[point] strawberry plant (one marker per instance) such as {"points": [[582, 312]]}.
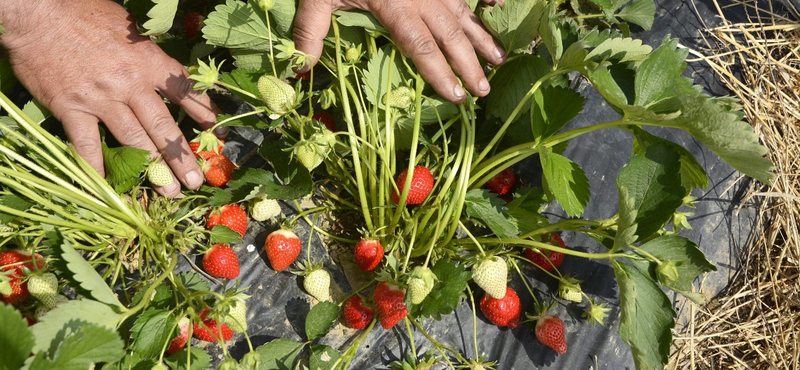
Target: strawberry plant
{"points": [[421, 177]]}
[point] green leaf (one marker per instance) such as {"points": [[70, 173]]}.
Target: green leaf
{"points": [[653, 182], [73, 313], [151, 330], [360, 19], [609, 85], [639, 12], [238, 25], [322, 357], [7, 77], [124, 166], [245, 79], [646, 317], [82, 347], [160, 17], [15, 202], [16, 341], [259, 60], [380, 68], [225, 235], [693, 175], [193, 282], [447, 292], [36, 111], [554, 107], [161, 297], [199, 359], [249, 183], [282, 15], [79, 273], [515, 23], [279, 354], [689, 261], [659, 74], [321, 319], [489, 209], [510, 84], [620, 50], [434, 109], [525, 210], [626, 225], [173, 46], [566, 181]]}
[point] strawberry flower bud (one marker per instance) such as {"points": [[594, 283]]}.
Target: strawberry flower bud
{"points": [[326, 98], [597, 313]]}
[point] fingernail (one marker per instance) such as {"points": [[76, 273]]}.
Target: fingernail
{"points": [[483, 86], [458, 91], [500, 54], [222, 131], [194, 179]]}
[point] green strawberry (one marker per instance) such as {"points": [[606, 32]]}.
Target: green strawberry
{"points": [[5, 285], [317, 281], [401, 97], [491, 274], [44, 287], [42, 310], [266, 5], [278, 95], [159, 174], [569, 288], [159, 366], [250, 361], [237, 316], [309, 154], [264, 209], [420, 284], [352, 54]]}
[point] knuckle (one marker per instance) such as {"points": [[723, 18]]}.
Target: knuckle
{"points": [[453, 33], [421, 44]]}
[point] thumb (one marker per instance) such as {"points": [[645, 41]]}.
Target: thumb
{"points": [[312, 23]]}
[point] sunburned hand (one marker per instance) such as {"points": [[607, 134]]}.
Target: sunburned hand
{"points": [[431, 32], [86, 62]]}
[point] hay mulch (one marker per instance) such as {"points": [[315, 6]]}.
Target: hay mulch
{"points": [[755, 322]]}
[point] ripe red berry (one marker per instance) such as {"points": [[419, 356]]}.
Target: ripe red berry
{"points": [[545, 259], [357, 315], [282, 247], [390, 301], [502, 312], [231, 215], [218, 170], [181, 339], [421, 185], [192, 24], [550, 331], [324, 118], [503, 182], [13, 264], [221, 261], [368, 253], [205, 154], [209, 330], [305, 76]]}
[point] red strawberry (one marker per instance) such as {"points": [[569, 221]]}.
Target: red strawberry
{"points": [[210, 331], [282, 247], [12, 259], [390, 301], [357, 315], [547, 260], [180, 341], [14, 263], [324, 118], [218, 170], [205, 154], [192, 24], [14, 290], [502, 312], [221, 261], [502, 183], [421, 185], [550, 331], [368, 253], [231, 216], [305, 76]]}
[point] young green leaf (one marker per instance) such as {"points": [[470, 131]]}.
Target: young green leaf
{"points": [[323, 357], [688, 261], [515, 23], [16, 341], [79, 273], [124, 166], [646, 317], [151, 330], [554, 107], [452, 279], [566, 181], [279, 354], [74, 314], [15, 202], [81, 347], [238, 25], [510, 84], [321, 319], [653, 182], [488, 208], [639, 12], [199, 359], [160, 17]]}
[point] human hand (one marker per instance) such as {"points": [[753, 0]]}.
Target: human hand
{"points": [[87, 63], [430, 32]]}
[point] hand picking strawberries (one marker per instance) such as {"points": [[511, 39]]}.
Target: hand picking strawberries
{"points": [[374, 188]]}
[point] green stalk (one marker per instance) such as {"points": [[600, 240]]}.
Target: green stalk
{"points": [[540, 245]]}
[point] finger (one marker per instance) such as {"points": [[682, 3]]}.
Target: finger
{"points": [[311, 26], [415, 40], [125, 127], [167, 137], [455, 45], [173, 82], [494, 2], [83, 133], [483, 42]]}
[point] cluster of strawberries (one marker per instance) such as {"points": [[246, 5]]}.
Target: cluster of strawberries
{"points": [[24, 275]]}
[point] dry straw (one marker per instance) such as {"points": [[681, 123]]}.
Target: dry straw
{"points": [[755, 323]]}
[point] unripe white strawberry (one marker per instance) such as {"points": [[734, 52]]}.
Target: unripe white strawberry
{"points": [[264, 209], [44, 287], [278, 95], [400, 98], [569, 288], [237, 317], [318, 284], [308, 153], [159, 174], [491, 274], [42, 310], [420, 284]]}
